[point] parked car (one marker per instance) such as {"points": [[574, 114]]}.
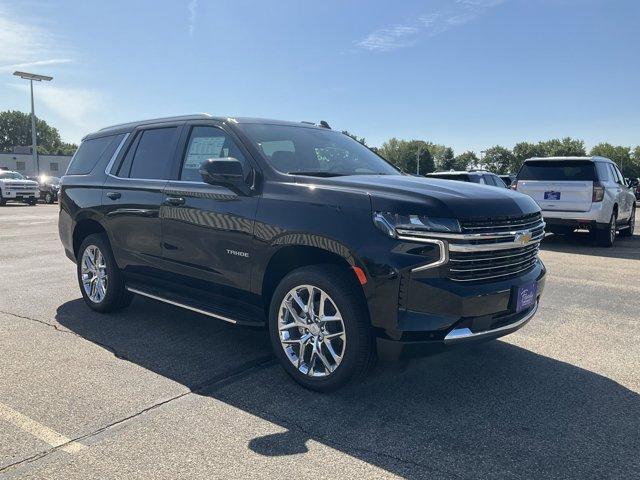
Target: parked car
{"points": [[508, 179], [49, 187], [580, 193], [474, 176], [634, 184], [301, 229], [14, 187]]}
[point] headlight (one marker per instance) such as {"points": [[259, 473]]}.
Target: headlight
{"points": [[389, 222]]}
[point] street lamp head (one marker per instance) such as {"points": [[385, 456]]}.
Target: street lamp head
{"points": [[33, 76]]}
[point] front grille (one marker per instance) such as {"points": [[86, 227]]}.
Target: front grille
{"points": [[500, 224], [492, 264]]}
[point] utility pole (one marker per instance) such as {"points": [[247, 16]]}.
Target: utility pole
{"points": [[34, 143], [419, 155]]}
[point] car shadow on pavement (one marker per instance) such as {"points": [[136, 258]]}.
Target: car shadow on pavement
{"points": [[491, 410], [581, 243]]}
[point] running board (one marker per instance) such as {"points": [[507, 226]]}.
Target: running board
{"points": [[202, 309]]}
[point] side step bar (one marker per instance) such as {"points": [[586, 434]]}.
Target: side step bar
{"points": [[182, 305]]}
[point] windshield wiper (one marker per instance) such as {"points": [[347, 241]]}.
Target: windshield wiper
{"points": [[318, 173]]}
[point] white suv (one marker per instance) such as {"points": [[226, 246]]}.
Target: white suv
{"points": [[580, 192], [13, 186]]}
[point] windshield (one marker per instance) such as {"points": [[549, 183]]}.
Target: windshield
{"points": [[11, 176], [571, 170], [315, 152]]}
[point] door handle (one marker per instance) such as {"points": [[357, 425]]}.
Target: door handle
{"points": [[114, 195], [174, 201]]}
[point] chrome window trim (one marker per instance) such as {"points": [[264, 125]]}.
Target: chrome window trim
{"points": [[109, 166]]}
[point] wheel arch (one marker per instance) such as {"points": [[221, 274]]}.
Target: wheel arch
{"points": [[288, 257], [85, 227]]}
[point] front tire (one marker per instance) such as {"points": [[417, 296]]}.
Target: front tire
{"points": [[101, 281], [319, 328], [48, 198]]}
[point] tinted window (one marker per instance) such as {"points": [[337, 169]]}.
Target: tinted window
{"points": [[571, 170], [619, 177], [604, 172], [153, 154], [460, 177], [91, 152], [205, 143], [315, 151]]}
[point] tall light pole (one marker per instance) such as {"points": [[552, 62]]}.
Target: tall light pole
{"points": [[34, 144]]}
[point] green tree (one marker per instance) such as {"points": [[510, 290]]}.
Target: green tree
{"points": [[404, 155], [448, 161], [15, 129], [498, 160], [620, 155], [362, 140], [465, 161], [567, 147], [525, 150], [634, 166]]}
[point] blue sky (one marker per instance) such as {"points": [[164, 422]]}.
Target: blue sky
{"points": [[466, 73]]}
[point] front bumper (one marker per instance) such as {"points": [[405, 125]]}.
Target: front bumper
{"points": [[443, 313], [20, 194]]}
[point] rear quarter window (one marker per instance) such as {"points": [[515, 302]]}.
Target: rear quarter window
{"points": [[565, 170], [93, 151]]}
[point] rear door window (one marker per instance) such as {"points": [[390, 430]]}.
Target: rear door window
{"points": [[93, 151], [562, 170], [151, 154]]}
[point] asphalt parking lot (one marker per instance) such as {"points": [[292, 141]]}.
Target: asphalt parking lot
{"points": [[158, 392]]}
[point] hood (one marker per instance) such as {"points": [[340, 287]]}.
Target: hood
{"points": [[18, 181], [405, 194]]}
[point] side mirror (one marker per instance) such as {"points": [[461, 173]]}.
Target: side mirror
{"points": [[228, 172]]}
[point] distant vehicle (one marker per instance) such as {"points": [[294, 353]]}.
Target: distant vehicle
{"points": [[634, 183], [14, 187], [49, 187], [473, 176], [580, 192], [508, 179]]}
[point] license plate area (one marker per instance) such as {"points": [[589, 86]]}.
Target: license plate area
{"points": [[551, 195], [526, 296]]}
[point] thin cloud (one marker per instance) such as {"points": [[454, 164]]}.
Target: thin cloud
{"points": [[76, 106], [430, 24], [25, 44], [192, 7], [38, 63]]}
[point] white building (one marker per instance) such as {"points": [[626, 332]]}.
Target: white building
{"points": [[51, 165]]}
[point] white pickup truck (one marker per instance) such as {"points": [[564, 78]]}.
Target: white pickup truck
{"points": [[14, 187], [580, 193]]}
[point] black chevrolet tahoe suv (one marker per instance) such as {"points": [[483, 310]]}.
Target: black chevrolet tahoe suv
{"points": [[301, 229]]}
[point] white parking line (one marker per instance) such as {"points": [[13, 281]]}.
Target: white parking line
{"points": [[38, 430]]}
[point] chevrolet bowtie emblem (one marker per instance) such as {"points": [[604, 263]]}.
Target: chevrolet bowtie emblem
{"points": [[522, 238]]}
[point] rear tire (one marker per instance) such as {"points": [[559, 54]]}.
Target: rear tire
{"points": [[631, 226], [606, 237], [48, 198], [344, 310], [101, 281], [32, 202]]}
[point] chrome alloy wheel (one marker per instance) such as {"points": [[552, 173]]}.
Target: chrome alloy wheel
{"points": [[93, 269], [311, 331]]}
